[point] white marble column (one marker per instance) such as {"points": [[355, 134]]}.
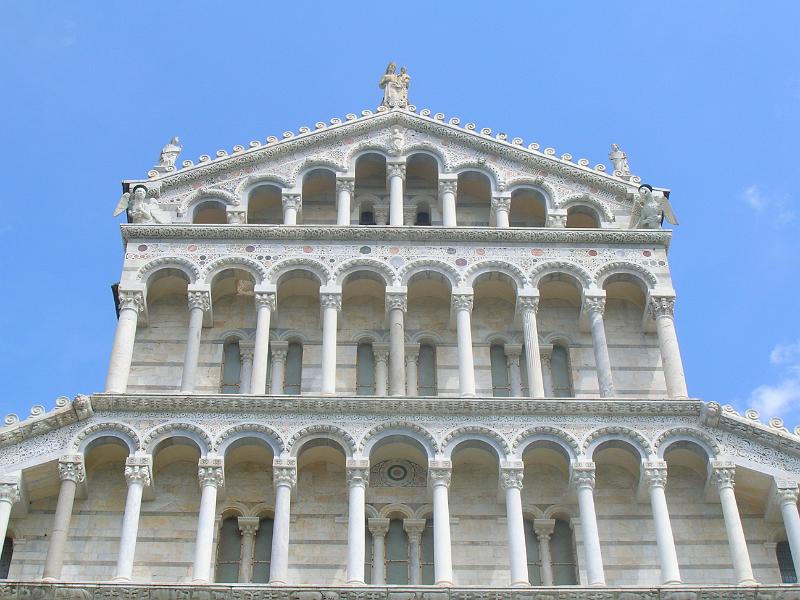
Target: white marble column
{"points": [[381, 352], [265, 305], [439, 472], [786, 493], [414, 529], [9, 495], [345, 186], [654, 475], [248, 526], [397, 174], [395, 309], [357, 482], [211, 476], [138, 474], [412, 369], [279, 351], [527, 306], [594, 306], [723, 473], [291, 206], [447, 189], [378, 528], [662, 308], [331, 303], [546, 356], [131, 303], [71, 472], [513, 353], [462, 306], [543, 528], [511, 481], [284, 478], [381, 213], [582, 477], [199, 303], [501, 205], [246, 351]]}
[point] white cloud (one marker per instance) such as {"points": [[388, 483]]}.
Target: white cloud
{"points": [[785, 353], [783, 397], [754, 198], [778, 205]]}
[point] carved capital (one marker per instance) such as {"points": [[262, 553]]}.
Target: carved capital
{"points": [[501, 203], [527, 304], [558, 221], [462, 302], [345, 185], [330, 300], [71, 467], [395, 170], [278, 350], [786, 491], [594, 304], [9, 492], [414, 529], [284, 472], [292, 201], [139, 469], [723, 473], [210, 471], [246, 350], [582, 474], [357, 472], [200, 299], [543, 528], [378, 527], [448, 187], [440, 472], [381, 351], [511, 477], [412, 353], [236, 217], [654, 473], [131, 300], [266, 300], [396, 300], [662, 306], [248, 525]]}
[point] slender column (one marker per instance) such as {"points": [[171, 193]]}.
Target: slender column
{"points": [[662, 308], [199, 303], [513, 353], [265, 304], [247, 527], [722, 473], [397, 174], [279, 351], [131, 303], [9, 494], [284, 478], [787, 493], [331, 303], [511, 481], [291, 206], [439, 472], [528, 305], [654, 474], [138, 474], [462, 305], [211, 477], [501, 206], [396, 308], [543, 528], [378, 528], [409, 215], [412, 364], [246, 351], [381, 214], [357, 482], [582, 477], [594, 307], [381, 352], [447, 188], [71, 472], [546, 355], [414, 529], [345, 186]]}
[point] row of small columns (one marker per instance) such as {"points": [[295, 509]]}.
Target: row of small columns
{"points": [[292, 203], [138, 473], [131, 303]]}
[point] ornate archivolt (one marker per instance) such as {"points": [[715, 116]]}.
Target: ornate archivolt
{"points": [[245, 263]]}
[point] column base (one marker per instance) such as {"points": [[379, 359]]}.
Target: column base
{"points": [[278, 582], [747, 582], [444, 584], [520, 584], [356, 583], [50, 579], [672, 582], [200, 582], [121, 580], [598, 584]]}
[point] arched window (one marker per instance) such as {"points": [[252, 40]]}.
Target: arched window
{"points": [[8, 551], [211, 212], [582, 217], [262, 551], [423, 214], [365, 370], [231, 367], [562, 553], [265, 206], [426, 376], [561, 372], [501, 387], [319, 197], [229, 551], [396, 554], [532, 549], [294, 369], [366, 215], [426, 554], [782, 551]]}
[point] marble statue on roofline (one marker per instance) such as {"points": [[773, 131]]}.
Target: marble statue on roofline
{"points": [[169, 154], [650, 209], [395, 87], [142, 210], [619, 160]]}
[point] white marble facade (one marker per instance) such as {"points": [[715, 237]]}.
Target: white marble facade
{"points": [[394, 350]]}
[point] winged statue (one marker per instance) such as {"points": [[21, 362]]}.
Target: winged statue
{"points": [[650, 209], [141, 209]]}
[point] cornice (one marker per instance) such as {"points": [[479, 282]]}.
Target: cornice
{"points": [[436, 235], [65, 413]]}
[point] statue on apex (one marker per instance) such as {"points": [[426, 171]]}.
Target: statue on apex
{"points": [[169, 153], [395, 87], [650, 209], [619, 160]]}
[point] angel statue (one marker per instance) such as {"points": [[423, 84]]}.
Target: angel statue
{"points": [[650, 209], [169, 154], [619, 159], [141, 209], [395, 87]]}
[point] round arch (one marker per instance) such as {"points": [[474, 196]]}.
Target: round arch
{"points": [[354, 265], [244, 263], [483, 169], [475, 433], [511, 270], [127, 435], [177, 429], [394, 508], [582, 277], [598, 206], [330, 432], [203, 194], [419, 266], [405, 429], [545, 433], [298, 264], [676, 435], [537, 185], [645, 276], [618, 434], [254, 431], [428, 150], [187, 267]]}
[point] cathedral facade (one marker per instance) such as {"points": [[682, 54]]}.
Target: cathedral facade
{"points": [[396, 357]]}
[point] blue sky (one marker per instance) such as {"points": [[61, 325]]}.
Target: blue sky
{"points": [[704, 98]]}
